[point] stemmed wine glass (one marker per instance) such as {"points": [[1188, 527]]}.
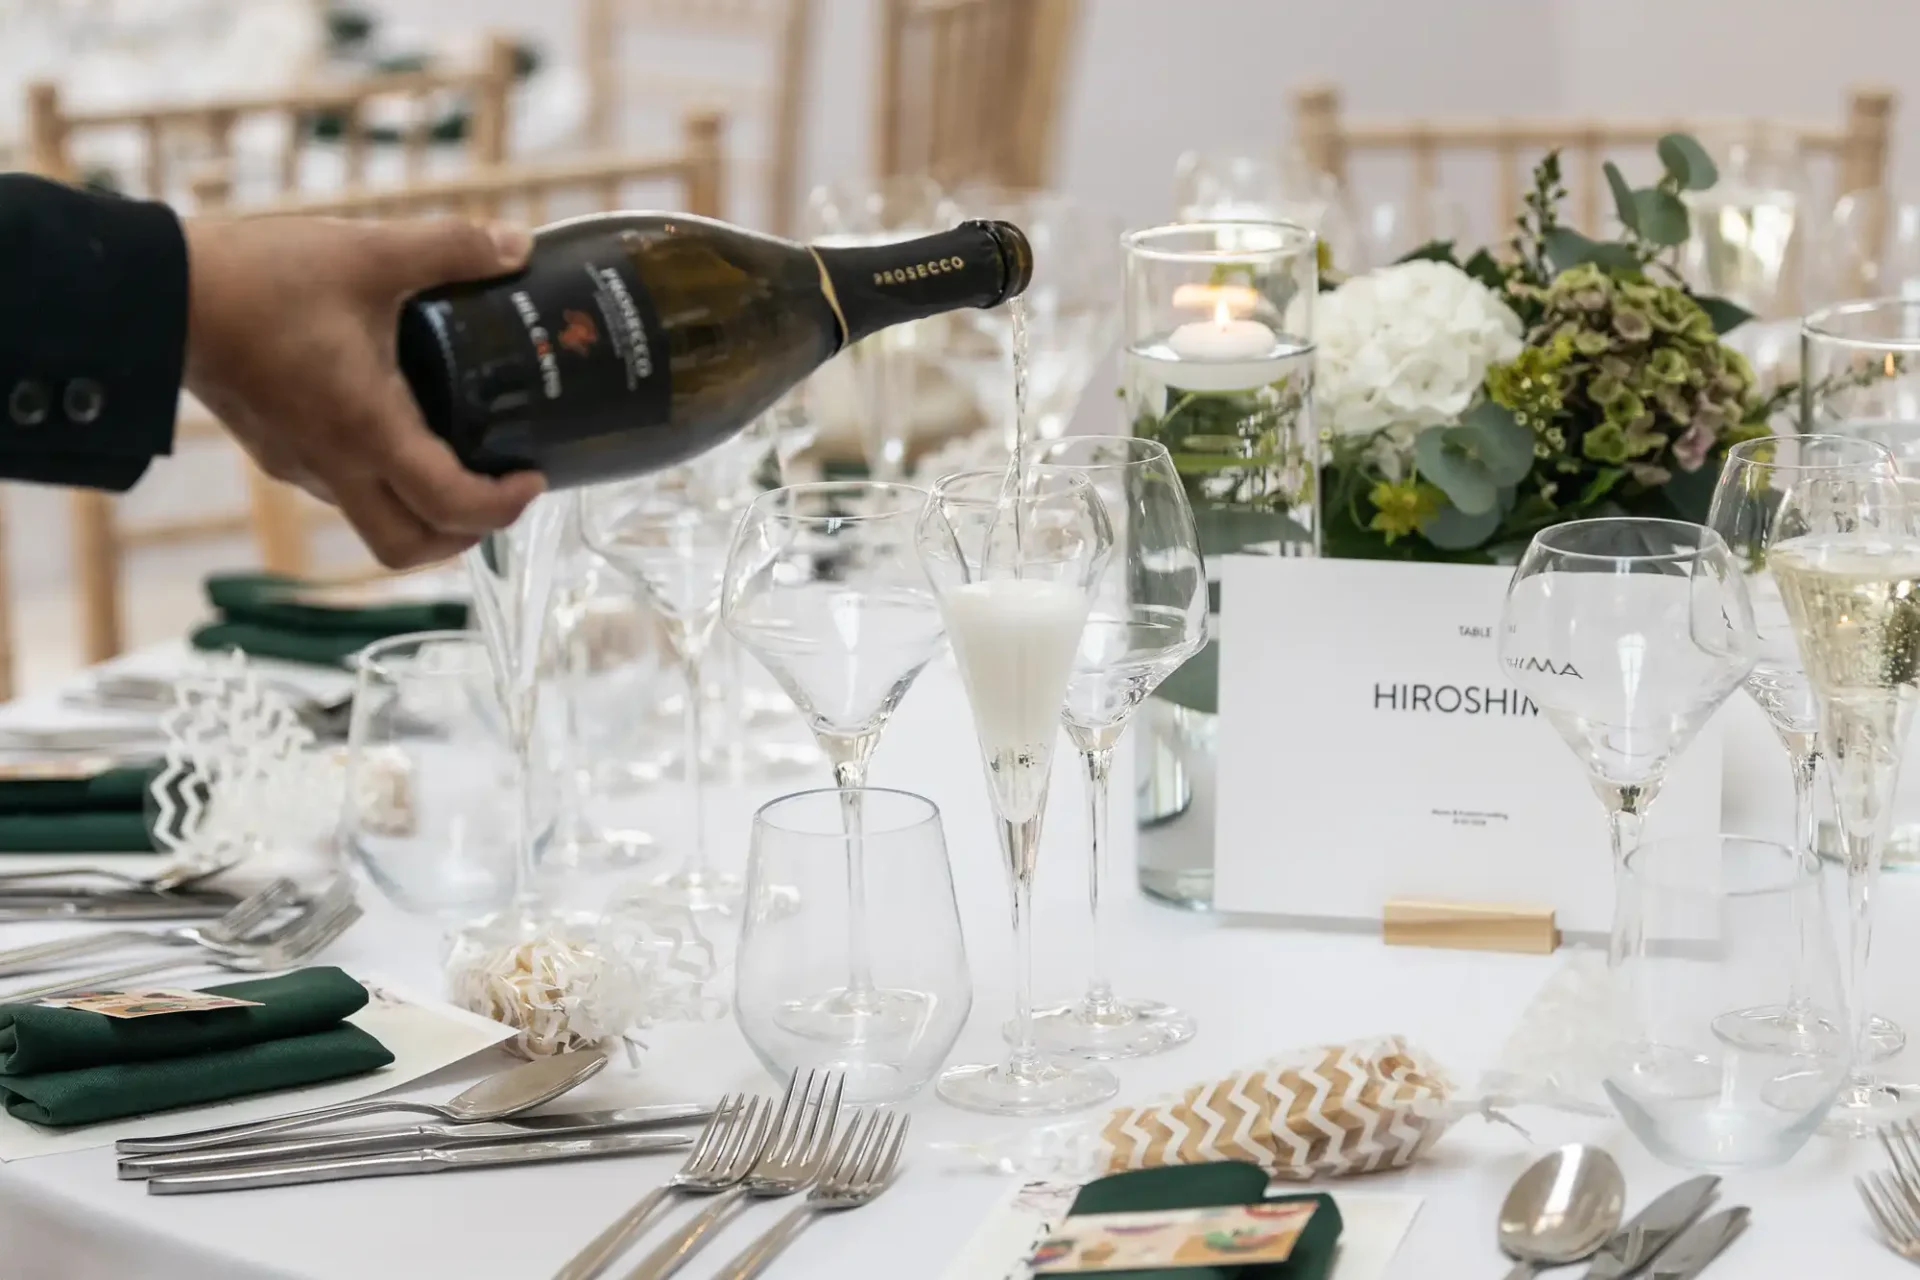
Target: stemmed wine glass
{"points": [[1149, 616], [1015, 619], [670, 533], [1628, 633], [1850, 582], [825, 588]]}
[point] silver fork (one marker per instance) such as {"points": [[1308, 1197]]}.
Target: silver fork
{"points": [[863, 1166], [224, 935], [1893, 1199], [794, 1157], [723, 1154], [167, 879], [317, 929]]}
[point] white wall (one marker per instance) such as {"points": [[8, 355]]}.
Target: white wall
{"points": [[1157, 76]]}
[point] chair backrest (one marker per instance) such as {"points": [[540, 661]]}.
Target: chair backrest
{"points": [[668, 55], [195, 155], [969, 90], [1857, 147], [282, 516]]}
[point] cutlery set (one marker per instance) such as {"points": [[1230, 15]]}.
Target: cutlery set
{"points": [[1567, 1207], [746, 1149], [1893, 1198]]}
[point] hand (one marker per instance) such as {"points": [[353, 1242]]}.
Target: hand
{"points": [[290, 342]]}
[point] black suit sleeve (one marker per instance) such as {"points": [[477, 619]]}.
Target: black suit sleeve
{"points": [[93, 329]]}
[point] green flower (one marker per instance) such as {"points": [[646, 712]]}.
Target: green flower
{"points": [[1667, 365], [1606, 443], [1632, 325], [1530, 387], [1606, 389], [1591, 342], [1626, 407], [1400, 507]]}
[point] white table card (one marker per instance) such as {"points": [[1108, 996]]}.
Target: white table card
{"points": [[1370, 749]]}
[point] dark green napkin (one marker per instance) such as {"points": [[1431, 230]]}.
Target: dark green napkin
{"points": [[106, 813], [92, 1094], [34, 1038], [71, 1066], [1195, 1186], [259, 617]]}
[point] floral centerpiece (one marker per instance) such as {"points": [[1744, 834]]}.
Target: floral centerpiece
{"points": [[1465, 405]]}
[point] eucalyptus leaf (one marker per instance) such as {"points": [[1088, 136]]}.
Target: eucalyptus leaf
{"points": [[1663, 218], [1568, 248], [1502, 444], [1726, 316], [1623, 203], [1682, 156], [1431, 251], [1452, 529], [1448, 459], [1485, 268]]}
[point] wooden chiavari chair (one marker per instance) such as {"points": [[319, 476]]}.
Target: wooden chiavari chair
{"points": [[283, 517], [1857, 147], [188, 154], [776, 34], [969, 90]]}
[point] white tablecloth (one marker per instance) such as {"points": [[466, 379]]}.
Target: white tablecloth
{"points": [[1255, 990]]}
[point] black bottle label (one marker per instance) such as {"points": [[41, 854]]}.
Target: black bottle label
{"points": [[567, 350], [874, 286]]}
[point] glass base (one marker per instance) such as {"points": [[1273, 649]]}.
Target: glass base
{"points": [[716, 891], [1192, 890], [1120, 1029], [1866, 1104], [1043, 1087], [601, 851], [1902, 852], [854, 1017], [1775, 1028]]}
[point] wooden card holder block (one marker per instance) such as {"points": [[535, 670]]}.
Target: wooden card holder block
{"points": [[1469, 926]]}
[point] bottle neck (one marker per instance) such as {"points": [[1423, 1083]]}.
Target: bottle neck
{"points": [[873, 287]]}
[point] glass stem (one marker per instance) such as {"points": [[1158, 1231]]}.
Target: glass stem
{"points": [[849, 756], [695, 769], [1624, 824], [736, 704], [1100, 1005], [1804, 756], [1863, 876], [1022, 840]]}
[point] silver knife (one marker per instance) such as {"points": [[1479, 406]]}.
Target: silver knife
{"points": [[1700, 1245], [428, 1160], [408, 1137], [1653, 1228], [15, 910]]}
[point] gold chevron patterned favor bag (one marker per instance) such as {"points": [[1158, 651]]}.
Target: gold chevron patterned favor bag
{"points": [[1321, 1112]]}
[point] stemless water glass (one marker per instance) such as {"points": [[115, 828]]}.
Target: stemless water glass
{"points": [[824, 587], [433, 787], [1149, 616], [1014, 568], [1628, 633], [1707, 916], [670, 532], [797, 956]]}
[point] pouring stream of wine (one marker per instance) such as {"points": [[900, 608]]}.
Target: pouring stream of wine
{"points": [[1008, 512]]}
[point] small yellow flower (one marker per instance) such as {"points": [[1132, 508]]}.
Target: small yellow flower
{"points": [[1400, 507]]}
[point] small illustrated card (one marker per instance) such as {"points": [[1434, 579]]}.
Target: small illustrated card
{"points": [[1225, 1235], [146, 1004]]}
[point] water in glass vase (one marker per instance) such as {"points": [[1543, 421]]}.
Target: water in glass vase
{"points": [[1239, 423]]}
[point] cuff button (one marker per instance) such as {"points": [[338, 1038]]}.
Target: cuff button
{"points": [[83, 401], [27, 403]]}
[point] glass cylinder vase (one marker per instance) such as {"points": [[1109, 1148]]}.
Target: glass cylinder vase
{"points": [[1219, 368]]}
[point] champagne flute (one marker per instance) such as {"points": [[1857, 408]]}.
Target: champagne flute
{"points": [[1851, 586], [1149, 616], [670, 533], [1015, 622], [824, 587], [1628, 633]]}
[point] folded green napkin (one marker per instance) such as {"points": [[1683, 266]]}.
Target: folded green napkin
{"points": [[260, 616], [106, 813], [72, 1066], [34, 1038], [1195, 1186]]}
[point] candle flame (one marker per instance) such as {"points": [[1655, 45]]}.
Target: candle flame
{"points": [[1222, 316], [1226, 301], [1892, 366]]}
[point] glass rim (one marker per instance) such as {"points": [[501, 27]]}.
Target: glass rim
{"points": [[1543, 539], [1880, 450], [1296, 239], [1154, 452], [374, 658], [939, 496], [1818, 324], [763, 816], [914, 499], [1802, 867]]}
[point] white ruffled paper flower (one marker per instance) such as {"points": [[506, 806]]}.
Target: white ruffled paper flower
{"points": [[1406, 347]]}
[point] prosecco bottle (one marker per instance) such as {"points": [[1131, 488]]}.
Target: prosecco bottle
{"points": [[634, 341]]}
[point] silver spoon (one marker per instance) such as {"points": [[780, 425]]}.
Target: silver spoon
{"points": [[500, 1095], [1561, 1209]]}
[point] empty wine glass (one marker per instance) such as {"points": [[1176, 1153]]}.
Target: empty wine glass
{"points": [[1276, 187], [670, 532], [1851, 587], [1072, 308], [1748, 237], [1873, 247], [1628, 633], [1149, 616], [884, 368], [1707, 915], [433, 784], [1015, 619], [825, 588], [798, 956]]}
